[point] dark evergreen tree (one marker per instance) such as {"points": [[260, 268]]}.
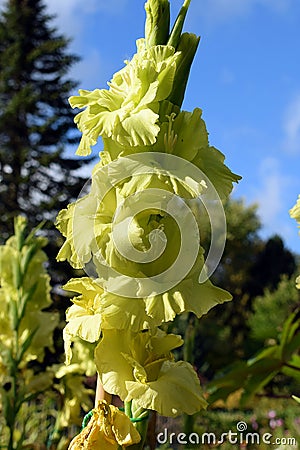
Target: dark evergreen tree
{"points": [[36, 121], [272, 262]]}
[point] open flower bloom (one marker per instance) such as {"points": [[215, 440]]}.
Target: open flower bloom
{"points": [[87, 223], [192, 144], [183, 134], [83, 317], [188, 295], [295, 214], [295, 211], [93, 311], [108, 429], [141, 367], [128, 112], [137, 230]]}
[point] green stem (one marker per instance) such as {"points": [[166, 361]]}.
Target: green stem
{"points": [[188, 354], [127, 406], [140, 418], [141, 427], [13, 397]]}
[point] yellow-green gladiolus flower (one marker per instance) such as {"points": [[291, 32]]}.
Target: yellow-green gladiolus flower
{"points": [[128, 112], [108, 429], [295, 214], [175, 391], [182, 134], [93, 311], [188, 295], [133, 227], [295, 211], [140, 367], [89, 226]]}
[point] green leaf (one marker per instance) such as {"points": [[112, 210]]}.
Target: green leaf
{"points": [[28, 255], [25, 345], [291, 372], [259, 375], [41, 241], [27, 296], [269, 352], [17, 274], [290, 327], [228, 382], [296, 398], [292, 346]]}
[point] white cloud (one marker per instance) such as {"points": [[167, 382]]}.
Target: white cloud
{"points": [[70, 13], [272, 195], [70, 8], [269, 194], [291, 126]]}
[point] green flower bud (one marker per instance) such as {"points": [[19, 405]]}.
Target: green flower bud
{"points": [[178, 25], [157, 22], [187, 47]]}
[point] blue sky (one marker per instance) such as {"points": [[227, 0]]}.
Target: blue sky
{"points": [[245, 77]]}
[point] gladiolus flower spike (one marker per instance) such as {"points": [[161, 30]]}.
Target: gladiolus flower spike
{"points": [[136, 233]]}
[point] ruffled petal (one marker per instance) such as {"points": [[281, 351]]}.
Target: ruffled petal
{"points": [[176, 391]]}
